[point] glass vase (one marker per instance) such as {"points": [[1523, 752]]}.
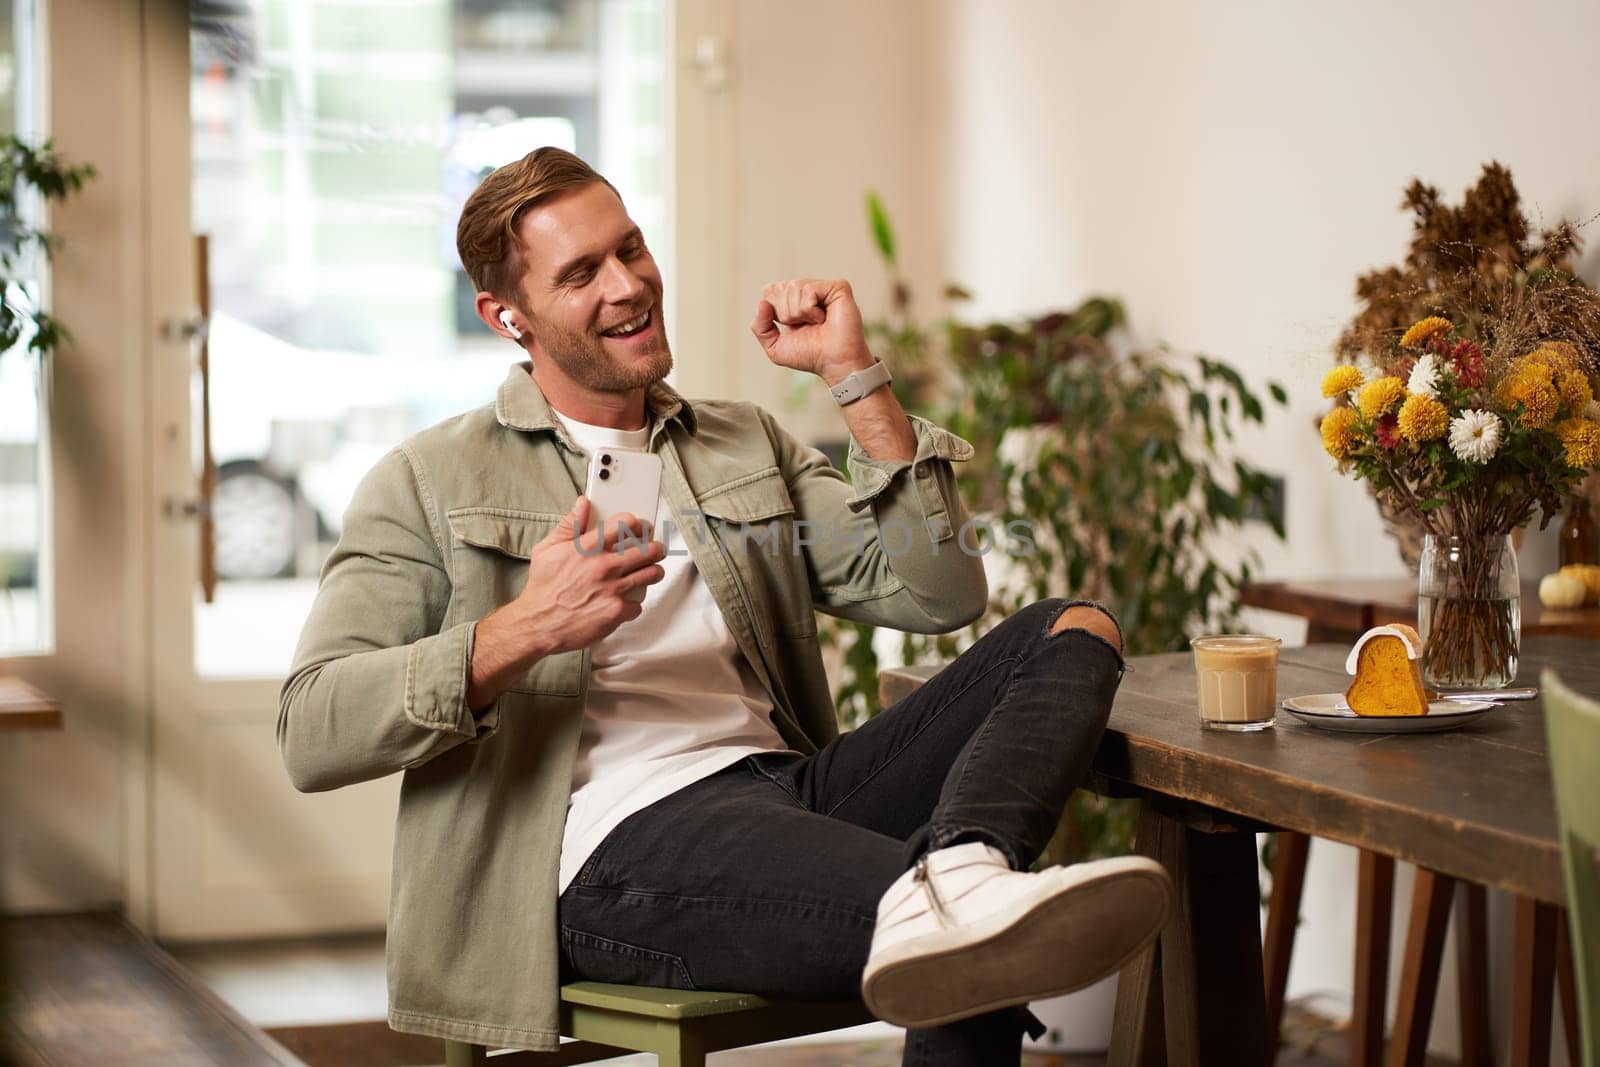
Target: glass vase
{"points": [[1469, 611]]}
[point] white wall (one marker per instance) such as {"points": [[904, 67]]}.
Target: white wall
{"points": [[1229, 168], [829, 103]]}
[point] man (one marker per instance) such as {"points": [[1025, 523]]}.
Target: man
{"points": [[655, 792]]}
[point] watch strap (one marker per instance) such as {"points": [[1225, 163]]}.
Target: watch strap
{"points": [[858, 384]]}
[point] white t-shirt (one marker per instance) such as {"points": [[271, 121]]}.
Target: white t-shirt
{"points": [[671, 699]]}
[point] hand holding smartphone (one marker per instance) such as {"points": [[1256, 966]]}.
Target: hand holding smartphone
{"points": [[621, 480]]}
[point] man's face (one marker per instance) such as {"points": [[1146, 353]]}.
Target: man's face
{"points": [[591, 291]]}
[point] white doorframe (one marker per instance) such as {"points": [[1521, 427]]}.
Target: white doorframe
{"points": [[231, 850], [703, 192], [157, 32]]}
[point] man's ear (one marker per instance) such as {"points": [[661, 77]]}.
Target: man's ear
{"points": [[498, 316]]}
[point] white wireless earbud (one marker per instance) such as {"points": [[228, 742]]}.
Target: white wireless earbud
{"points": [[511, 327]]}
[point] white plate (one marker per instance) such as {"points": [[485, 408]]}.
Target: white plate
{"points": [[1328, 711]]}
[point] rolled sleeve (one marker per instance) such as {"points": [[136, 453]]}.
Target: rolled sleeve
{"points": [[931, 475], [886, 557], [438, 673]]}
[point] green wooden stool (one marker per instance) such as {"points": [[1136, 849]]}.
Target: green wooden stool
{"points": [[1573, 723], [679, 1026]]}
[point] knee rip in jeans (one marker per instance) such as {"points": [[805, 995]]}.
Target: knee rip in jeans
{"points": [[1060, 624]]}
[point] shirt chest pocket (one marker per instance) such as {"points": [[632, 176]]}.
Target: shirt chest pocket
{"points": [[489, 553], [753, 521]]}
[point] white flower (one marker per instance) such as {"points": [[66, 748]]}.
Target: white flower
{"points": [[1370, 371], [1424, 379], [1475, 435]]}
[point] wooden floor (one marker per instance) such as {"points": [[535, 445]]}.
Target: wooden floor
{"points": [[375, 1045], [1309, 1041], [90, 990]]}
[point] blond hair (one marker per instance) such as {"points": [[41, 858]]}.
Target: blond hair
{"points": [[486, 236]]}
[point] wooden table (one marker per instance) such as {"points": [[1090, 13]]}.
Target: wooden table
{"points": [[1340, 610], [22, 707], [1474, 804]]}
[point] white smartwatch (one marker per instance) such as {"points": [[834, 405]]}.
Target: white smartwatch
{"points": [[858, 384]]}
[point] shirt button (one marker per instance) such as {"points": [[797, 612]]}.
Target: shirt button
{"points": [[924, 470]]}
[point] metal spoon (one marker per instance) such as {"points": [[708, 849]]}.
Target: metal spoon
{"points": [[1528, 693]]}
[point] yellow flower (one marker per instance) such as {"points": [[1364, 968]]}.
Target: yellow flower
{"points": [[1422, 418], [1582, 440], [1339, 431], [1523, 374], [1537, 396], [1380, 396], [1540, 363], [1573, 385], [1558, 355], [1421, 331], [1341, 380]]}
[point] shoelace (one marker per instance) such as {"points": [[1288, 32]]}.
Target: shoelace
{"points": [[920, 874]]}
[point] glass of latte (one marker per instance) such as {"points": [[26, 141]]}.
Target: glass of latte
{"points": [[1238, 676]]}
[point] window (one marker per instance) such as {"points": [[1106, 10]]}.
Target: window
{"points": [[25, 587], [334, 144]]}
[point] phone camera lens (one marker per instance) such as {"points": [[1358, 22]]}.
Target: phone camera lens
{"points": [[604, 475], [605, 459]]}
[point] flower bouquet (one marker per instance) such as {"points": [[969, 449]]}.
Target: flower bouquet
{"points": [[1481, 262], [1467, 438]]}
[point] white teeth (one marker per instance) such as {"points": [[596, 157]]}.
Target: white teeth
{"points": [[627, 327]]}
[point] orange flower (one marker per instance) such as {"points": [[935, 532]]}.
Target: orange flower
{"points": [[1338, 431], [1341, 380], [1419, 332], [1573, 385], [1380, 396], [1560, 355], [1522, 376], [1582, 440], [1536, 395], [1423, 418]]}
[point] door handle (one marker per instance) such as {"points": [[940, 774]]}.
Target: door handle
{"points": [[174, 508], [187, 329], [198, 331]]}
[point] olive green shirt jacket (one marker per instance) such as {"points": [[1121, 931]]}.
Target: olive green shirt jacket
{"points": [[438, 535]]}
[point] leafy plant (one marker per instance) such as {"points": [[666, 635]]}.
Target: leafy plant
{"points": [[29, 174], [1118, 462]]}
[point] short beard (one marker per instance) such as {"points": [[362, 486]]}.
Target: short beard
{"points": [[583, 358]]}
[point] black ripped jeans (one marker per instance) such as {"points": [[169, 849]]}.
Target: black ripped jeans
{"points": [[765, 877]]}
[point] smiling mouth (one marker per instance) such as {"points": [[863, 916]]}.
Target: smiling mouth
{"points": [[629, 328]]}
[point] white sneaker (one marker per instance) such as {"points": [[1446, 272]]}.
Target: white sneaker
{"points": [[961, 933]]}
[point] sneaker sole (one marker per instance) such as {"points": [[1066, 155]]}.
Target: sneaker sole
{"points": [[1061, 943]]}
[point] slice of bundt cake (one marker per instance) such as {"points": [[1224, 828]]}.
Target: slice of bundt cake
{"points": [[1388, 673]]}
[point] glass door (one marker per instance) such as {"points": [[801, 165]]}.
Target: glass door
{"points": [[324, 152], [333, 147]]}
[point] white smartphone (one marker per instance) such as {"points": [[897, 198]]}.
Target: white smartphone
{"points": [[623, 480]]}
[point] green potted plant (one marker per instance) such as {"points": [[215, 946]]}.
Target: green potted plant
{"points": [[1126, 515], [29, 177]]}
